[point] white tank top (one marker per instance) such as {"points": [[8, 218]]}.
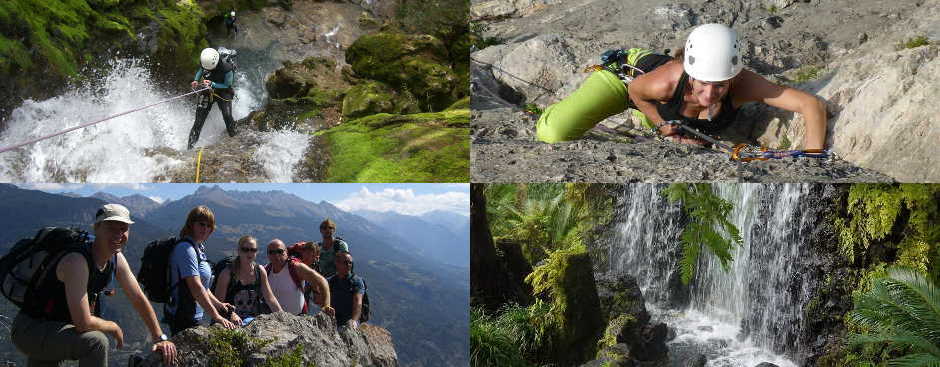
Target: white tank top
{"points": [[286, 292]]}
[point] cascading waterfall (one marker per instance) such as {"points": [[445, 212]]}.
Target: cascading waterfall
{"points": [[130, 148], [750, 313]]}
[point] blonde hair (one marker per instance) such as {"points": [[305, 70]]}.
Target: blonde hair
{"points": [[200, 213], [328, 223]]}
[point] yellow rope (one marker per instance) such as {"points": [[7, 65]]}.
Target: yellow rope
{"points": [[198, 162]]}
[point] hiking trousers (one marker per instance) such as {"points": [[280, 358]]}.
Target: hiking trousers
{"points": [[47, 343], [203, 106], [600, 96]]}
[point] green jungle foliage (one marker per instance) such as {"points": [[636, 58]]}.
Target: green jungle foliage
{"points": [[898, 217], [495, 341], [707, 212], [551, 223], [902, 309]]}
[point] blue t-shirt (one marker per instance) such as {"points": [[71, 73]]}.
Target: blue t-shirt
{"points": [[341, 295], [184, 263]]}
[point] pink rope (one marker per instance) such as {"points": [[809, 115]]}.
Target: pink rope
{"points": [[95, 122]]}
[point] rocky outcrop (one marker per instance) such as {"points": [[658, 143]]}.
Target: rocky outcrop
{"points": [[283, 338], [630, 338], [545, 45], [417, 64]]}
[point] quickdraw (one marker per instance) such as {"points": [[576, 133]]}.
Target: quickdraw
{"points": [[747, 153]]}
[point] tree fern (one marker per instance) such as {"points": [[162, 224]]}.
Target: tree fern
{"points": [[709, 226], [902, 309]]}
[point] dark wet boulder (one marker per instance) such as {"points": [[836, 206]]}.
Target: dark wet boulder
{"points": [[620, 295], [766, 364], [699, 361]]}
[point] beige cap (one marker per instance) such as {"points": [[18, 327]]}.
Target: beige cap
{"points": [[113, 212]]}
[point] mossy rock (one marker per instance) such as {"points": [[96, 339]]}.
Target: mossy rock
{"points": [[425, 147], [462, 103], [375, 97], [418, 63], [300, 79]]}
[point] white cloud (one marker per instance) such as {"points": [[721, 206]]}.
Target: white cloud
{"points": [[404, 201], [157, 199], [51, 186], [128, 186]]}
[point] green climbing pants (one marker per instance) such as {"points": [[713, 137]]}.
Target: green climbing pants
{"points": [[600, 96]]}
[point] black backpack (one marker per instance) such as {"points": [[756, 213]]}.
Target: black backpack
{"points": [[217, 269], [154, 275], [364, 316], [28, 262]]}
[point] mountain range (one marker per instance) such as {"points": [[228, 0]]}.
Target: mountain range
{"points": [[420, 299]]}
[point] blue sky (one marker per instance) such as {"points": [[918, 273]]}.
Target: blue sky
{"points": [[410, 199]]}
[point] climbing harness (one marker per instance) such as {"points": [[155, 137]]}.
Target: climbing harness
{"points": [[198, 163], [31, 141], [746, 152]]}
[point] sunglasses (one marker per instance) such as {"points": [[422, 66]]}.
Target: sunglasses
{"points": [[275, 252], [245, 249]]}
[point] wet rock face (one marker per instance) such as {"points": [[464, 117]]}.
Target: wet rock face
{"points": [[316, 337], [873, 123], [620, 295]]}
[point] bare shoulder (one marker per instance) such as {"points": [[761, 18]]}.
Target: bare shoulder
{"points": [[750, 86], [658, 84]]}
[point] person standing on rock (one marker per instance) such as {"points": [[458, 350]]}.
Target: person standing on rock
{"points": [[191, 276], [330, 247], [244, 283], [230, 23], [704, 86], [219, 74], [59, 322], [287, 276], [348, 290]]}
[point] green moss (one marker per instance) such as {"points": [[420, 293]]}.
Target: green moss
{"points": [[461, 104], [429, 147], [232, 347], [374, 97], [182, 35], [785, 143], [914, 42], [533, 108], [292, 359], [416, 63]]}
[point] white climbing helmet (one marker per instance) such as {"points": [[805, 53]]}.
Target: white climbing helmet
{"points": [[712, 53], [233, 13], [209, 58]]}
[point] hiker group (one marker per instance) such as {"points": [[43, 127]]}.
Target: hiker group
{"points": [[58, 279]]}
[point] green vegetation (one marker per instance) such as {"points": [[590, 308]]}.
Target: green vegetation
{"points": [[479, 40], [533, 108], [424, 147], [233, 347], [914, 42], [53, 37], [902, 309], [772, 9], [551, 223], [707, 211], [806, 73], [494, 341]]}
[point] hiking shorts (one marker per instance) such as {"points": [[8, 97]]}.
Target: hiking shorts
{"points": [[46, 343]]}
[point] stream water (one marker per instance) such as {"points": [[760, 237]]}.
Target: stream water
{"points": [[749, 314]]}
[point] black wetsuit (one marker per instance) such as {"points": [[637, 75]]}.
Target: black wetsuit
{"points": [[672, 110], [223, 95]]}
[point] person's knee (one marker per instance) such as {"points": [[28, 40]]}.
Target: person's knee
{"points": [[95, 342]]}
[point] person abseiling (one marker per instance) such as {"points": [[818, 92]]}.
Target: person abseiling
{"points": [[330, 247], [348, 290], [218, 74], [191, 276], [230, 23], [62, 325], [244, 283], [703, 86], [287, 277]]}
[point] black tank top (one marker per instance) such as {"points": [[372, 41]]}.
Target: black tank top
{"points": [[218, 76], [245, 298], [51, 304], [671, 110]]}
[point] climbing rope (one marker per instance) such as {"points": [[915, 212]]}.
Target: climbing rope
{"points": [[31, 141], [514, 77], [198, 163], [747, 153]]}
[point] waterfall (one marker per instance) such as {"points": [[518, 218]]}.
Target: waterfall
{"points": [[740, 317], [139, 147]]}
